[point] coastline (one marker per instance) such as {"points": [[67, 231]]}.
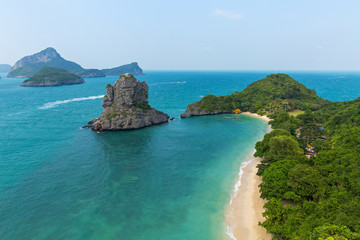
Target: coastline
{"points": [[246, 207], [265, 118]]}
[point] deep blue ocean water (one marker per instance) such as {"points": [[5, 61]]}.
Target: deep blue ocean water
{"points": [[172, 181]]}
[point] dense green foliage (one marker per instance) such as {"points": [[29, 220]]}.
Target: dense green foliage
{"points": [[275, 93], [325, 189], [53, 76], [144, 106]]}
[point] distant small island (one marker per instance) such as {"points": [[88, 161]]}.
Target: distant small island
{"points": [[5, 68], [48, 77], [49, 57], [132, 68]]}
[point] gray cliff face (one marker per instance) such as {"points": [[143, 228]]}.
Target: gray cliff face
{"points": [[126, 107], [44, 56], [194, 110]]}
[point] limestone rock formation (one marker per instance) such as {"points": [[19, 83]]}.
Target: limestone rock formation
{"points": [[126, 107]]}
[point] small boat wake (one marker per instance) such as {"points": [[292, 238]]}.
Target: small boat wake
{"points": [[57, 103], [161, 83]]}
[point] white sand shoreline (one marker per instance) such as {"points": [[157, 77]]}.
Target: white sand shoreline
{"points": [[265, 118], [246, 207]]}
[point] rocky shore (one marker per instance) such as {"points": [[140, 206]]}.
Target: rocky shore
{"points": [[195, 109]]}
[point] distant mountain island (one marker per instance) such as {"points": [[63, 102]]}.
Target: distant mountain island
{"points": [[48, 77], [132, 68], [29, 65], [5, 68]]}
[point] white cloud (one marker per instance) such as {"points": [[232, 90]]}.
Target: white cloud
{"points": [[227, 14]]}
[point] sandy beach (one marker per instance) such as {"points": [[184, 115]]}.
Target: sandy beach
{"points": [[265, 118], [246, 207]]}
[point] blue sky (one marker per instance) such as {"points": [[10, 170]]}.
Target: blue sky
{"points": [[187, 35]]}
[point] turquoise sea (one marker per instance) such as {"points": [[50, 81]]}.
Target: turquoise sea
{"points": [[172, 181]]}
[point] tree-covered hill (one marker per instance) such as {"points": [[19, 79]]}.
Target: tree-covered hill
{"points": [[274, 93], [325, 188], [310, 163], [49, 76]]}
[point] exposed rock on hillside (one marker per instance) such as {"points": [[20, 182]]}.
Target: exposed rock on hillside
{"points": [[29, 65], [126, 107], [195, 109]]}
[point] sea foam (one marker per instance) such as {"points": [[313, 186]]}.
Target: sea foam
{"points": [[57, 103], [238, 183]]}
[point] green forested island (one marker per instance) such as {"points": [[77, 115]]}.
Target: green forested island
{"points": [[273, 93], [310, 164], [48, 77]]}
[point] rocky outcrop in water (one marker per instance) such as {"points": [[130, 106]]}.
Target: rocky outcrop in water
{"points": [[195, 109], [126, 107]]}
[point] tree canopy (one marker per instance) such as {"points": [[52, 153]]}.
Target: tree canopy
{"points": [[325, 189]]}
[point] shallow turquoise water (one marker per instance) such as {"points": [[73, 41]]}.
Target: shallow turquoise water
{"points": [[171, 181]]}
